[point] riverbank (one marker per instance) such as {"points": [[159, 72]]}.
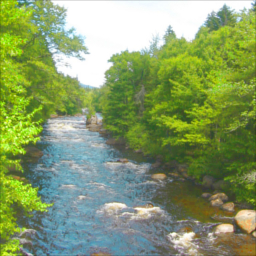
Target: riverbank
{"points": [[213, 189]]}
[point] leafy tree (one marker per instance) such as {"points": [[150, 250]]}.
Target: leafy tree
{"points": [[17, 128], [195, 101], [32, 36]]}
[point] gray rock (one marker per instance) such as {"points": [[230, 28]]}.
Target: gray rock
{"points": [[223, 218], [94, 119], [206, 195], [33, 152], [221, 196], [28, 233], [123, 160], [224, 228], [216, 202], [229, 207], [208, 181]]}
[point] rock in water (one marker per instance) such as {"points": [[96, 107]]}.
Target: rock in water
{"points": [[33, 152], [245, 219], [217, 202], [94, 120], [223, 218], [159, 176], [28, 233], [206, 195], [229, 207], [221, 196], [185, 230], [224, 228], [123, 160]]}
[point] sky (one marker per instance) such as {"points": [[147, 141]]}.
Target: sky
{"points": [[110, 27]]}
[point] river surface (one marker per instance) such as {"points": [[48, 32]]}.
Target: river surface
{"points": [[95, 202]]}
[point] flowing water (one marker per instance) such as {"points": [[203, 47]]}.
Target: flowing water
{"points": [[97, 202]]}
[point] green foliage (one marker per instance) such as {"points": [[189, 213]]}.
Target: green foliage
{"points": [[224, 17], [192, 101], [31, 33]]}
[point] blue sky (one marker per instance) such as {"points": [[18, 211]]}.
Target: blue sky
{"points": [[110, 27]]}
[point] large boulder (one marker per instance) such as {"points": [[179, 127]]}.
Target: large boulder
{"points": [[159, 176], [224, 228], [113, 141], [33, 152], [245, 219], [208, 181], [221, 196], [229, 207]]}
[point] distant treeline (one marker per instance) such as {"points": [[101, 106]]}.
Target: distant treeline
{"points": [[190, 101]]}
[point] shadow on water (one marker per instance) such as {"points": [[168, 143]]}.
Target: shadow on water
{"points": [[98, 204]]}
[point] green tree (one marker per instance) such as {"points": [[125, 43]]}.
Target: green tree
{"points": [[169, 34], [17, 128], [224, 17]]}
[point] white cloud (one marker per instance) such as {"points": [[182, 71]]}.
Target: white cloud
{"points": [[114, 26]]}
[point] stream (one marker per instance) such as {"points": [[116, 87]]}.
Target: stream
{"points": [[96, 202]]}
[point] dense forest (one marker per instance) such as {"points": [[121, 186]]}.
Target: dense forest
{"points": [[193, 102], [33, 42]]}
